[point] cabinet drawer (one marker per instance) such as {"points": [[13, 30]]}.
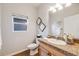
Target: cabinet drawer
{"points": [[51, 49], [43, 52], [57, 53]]}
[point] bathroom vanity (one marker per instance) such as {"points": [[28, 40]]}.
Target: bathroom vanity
{"points": [[49, 49]]}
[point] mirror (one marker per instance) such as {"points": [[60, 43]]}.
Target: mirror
{"points": [[55, 24], [65, 21]]}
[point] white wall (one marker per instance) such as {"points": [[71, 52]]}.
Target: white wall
{"points": [[71, 25], [43, 13], [16, 41]]}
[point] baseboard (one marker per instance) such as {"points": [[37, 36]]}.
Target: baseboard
{"points": [[18, 52]]}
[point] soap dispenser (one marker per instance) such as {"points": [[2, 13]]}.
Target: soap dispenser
{"points": [[65, 37], [70, 39]]}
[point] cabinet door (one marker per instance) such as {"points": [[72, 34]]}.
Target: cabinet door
{"points": [[43, 52], [58, 53], [50, 50]]}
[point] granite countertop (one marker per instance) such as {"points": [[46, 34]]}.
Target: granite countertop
{"points": [[73, 49]]}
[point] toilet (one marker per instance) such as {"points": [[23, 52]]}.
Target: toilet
{"points": [[33, 48]]}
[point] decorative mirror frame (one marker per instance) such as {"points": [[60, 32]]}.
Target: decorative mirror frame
{"points": [[39, 20], [42, 26]]}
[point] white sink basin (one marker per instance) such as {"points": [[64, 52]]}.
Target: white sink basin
{"points": [[55, 41]]}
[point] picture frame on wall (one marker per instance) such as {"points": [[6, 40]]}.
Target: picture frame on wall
{"points": [[39, 20], [42, 26]]}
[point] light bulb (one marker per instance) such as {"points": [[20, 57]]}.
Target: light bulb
{"points": [[59, 7], [52, 9], [68, 4]]}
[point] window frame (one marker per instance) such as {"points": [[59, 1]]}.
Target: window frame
{"points": [[18, 16]]}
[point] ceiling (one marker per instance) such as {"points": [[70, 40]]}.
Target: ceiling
{"points": [[41, 4]]}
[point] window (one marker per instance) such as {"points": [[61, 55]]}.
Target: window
{"points": [[19, 23]]}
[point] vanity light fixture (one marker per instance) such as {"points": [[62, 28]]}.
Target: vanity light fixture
{"points": [[59, 6], [52, 9], [68, 4]]}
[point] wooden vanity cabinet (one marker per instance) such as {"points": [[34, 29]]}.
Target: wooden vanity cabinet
{"points": [[43, 52], [47, 50]]}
